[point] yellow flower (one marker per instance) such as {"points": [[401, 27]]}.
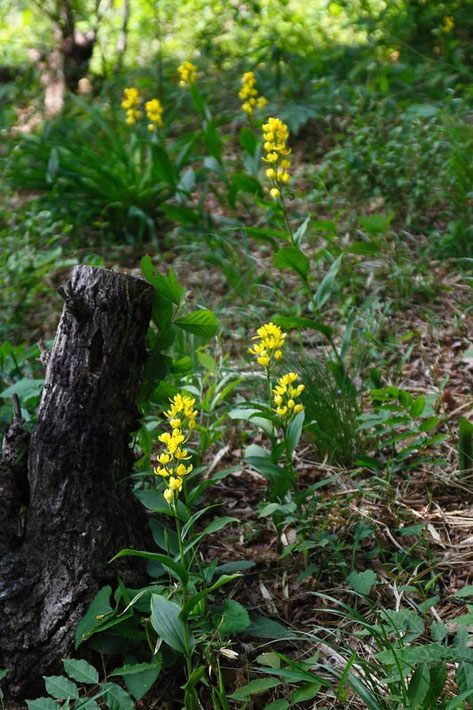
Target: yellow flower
{"points": [[169, 495], [154, 112], [276, 135], [187, 73], [132, 98], [285, 394], [271, 339], [249, 94], [448, 24]]}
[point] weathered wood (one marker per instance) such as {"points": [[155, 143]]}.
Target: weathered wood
{"points": [[81, 510]]}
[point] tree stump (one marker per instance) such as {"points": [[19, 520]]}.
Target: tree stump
{"points": [[67, 507]]}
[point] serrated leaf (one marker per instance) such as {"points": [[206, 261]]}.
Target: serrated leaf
{"points": [[362, 582], [254, 687], [42, 704], [202, 323], [235, 617], [292, 258], [80, 670], [117, 698], [139, 677], [58, 686]]}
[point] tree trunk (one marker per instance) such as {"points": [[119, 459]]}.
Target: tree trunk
{"points": [[77, 506]]}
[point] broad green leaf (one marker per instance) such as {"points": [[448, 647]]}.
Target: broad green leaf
{"points": [[417, 407], [182, 215], [26, 389], [166, 621], [277, 705], [80, 670], [58, 686], [269, 659], [248, 140], [217, 524], [235, 617], [306, 692], [362, 582], [167, 286], [376, 223], [139, 677], [4, 672], [117, 698], [262, 627], [292, 258], [466, 591], [202, 323], [42, 704], [419, 685], [99, 607], [254, 687]]}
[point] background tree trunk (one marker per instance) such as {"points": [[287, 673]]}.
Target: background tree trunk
{"points": [[73, 494]]}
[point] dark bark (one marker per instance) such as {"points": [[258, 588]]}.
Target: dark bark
{"points": [[81, 509]]}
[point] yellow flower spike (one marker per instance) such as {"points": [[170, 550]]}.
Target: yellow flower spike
{"points": [[249, 94], [276, 135], [187, 73], [284, 396], [271, 339]]}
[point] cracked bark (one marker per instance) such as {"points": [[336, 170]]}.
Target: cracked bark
{"points": [[71, 491]]}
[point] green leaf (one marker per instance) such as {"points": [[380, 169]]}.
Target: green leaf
{"points": [[362, 582], [289, 322], [235, 617], [305, 692], [419, 685], [194, 600], [269, 659], [262, 627], [466, 591], [277, 705], [80, 670], [417, 407], [4, 672], [99, 607], [248, 140], [182, 215], [26, 389], [294, 431], [202, 323], [167, 622], [376, 223], [213, 141], [117, 698], [157, 557], [325, 288], [299, 234], [42, 704], [217, 524], [167, 286], [292, 258], [245, 183], [254, 687], [208, 362], [151, 498], [139, 677], [58, 686]]}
